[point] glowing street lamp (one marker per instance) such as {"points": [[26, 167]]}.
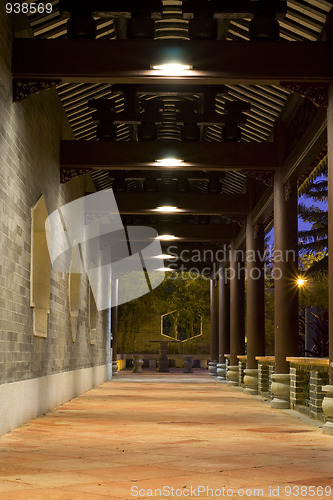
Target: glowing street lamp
{"points": [[301, 282]]}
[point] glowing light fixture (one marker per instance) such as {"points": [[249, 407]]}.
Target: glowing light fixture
{"points": [[167, 237], [167, 209], [172, 69], [165, 256], [169, 162], [166, 206], [301, 282], [165, 269]]}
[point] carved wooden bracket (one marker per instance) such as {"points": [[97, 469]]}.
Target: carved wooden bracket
{"points": [[318, 94], [238, 219], [263, 176], [23, 88], [66, 174], [287, 191]]}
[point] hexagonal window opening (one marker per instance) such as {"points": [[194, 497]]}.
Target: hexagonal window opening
{"points": [[181, 325]]}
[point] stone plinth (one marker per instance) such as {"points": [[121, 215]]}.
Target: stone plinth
{"points": [[251, 381], [328, 409], [233, 375], [221, 371], [280, 390], [212, 368]]}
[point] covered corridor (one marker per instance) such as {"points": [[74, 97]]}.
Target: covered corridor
{"points": [[142, 432]]}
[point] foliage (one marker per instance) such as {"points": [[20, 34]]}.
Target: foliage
{"points": [[320, 338], [177, 292], [315, 239]]}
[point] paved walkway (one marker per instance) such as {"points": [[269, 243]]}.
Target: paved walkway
{"points": [[139, 433]]}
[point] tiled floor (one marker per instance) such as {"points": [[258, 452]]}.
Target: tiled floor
{"points": [[133, 435]]}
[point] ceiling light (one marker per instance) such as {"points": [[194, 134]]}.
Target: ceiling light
{"points": [[172, 69], [167, 237], [167, 209], [169, 162], [165, 256], [165, 269]]}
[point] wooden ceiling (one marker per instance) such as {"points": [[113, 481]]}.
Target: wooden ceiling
{"points": [[241, 169]]}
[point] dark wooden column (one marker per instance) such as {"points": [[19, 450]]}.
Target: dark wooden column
{"points": [[237, 320], [285, 272], [224, 316], [255, 293], [114, 320], [330, 226], [214, 320]]}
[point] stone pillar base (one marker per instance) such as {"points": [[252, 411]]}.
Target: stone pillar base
{"points": [[212, 367], [328, 409], [221, 371], [280, 390], [251, 381], [188, 364], [233, 375], [137, 363]]}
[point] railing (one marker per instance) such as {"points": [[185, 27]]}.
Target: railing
{"points": [[266, 367], [307, 377]]}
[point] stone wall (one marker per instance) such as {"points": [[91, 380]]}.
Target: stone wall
{"points": [[30, 134]]}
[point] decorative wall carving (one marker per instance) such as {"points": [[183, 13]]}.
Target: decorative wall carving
{"points": [[22, 89], [66, 174], [318, 94]]}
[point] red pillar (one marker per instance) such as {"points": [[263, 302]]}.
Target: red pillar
{"points": [[330, 226], [214, 320], [285, 271], [224, 316], [237, 320], [255, 293]]}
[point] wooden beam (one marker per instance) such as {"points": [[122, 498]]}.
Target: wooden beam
{"points": [[213, 62], [173, 173], [188, 203], [80, 155]]}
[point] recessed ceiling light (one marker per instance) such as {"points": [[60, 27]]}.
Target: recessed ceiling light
{"points": [[172, 69], [167, 209], [165, 256], [167, 237], [169, 162]]}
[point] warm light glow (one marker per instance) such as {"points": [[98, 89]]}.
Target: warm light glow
{"points": [[165, 256], [169, 162], [301, 282], [167, 209], [172, 69], [165, 269], [167, 237]]}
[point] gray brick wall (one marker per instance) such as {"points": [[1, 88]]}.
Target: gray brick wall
{"points": [[30, 134]]}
